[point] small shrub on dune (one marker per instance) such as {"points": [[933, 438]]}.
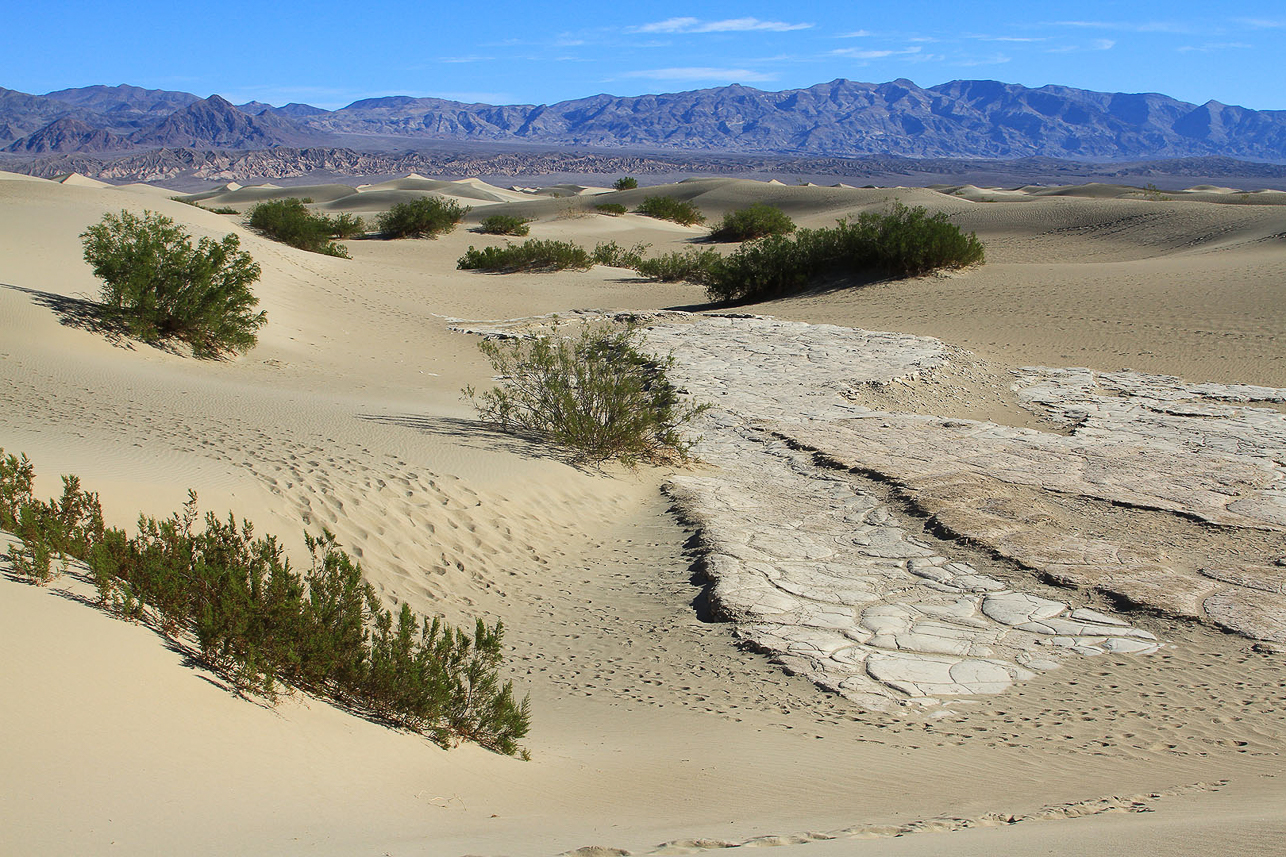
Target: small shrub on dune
{"points": [[288, 221], [756, 221], [611, 209], [903, 242], [625, 183], [691, 265], [158, 286], [533, 254], [910, 241], [668, 208], [614, 255], [504, 224], [260, 624], [58, 530], [426, 217], [347, 226], [596, 394]]}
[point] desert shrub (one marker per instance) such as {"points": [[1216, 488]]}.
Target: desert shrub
{"points": [[224, 210], [504, 224], [158, 286], [260, 624], [16, 478], [597, 394], [288, 221], [691, 265], [625, 183], [755, 221], [614, 255], [56, 530], [533, 254], [902, 242], [668, 208], [611, 209], [426, 217], [347, 225]]}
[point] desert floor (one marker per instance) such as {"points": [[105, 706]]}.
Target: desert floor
{"points": [[653, 731]]}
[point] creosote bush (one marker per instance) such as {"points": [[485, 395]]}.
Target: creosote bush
{"points": [[260, 624], [426, 217], [903, 242], [534, 254], [668, 208], [504, 224], [611, 209], [288, 221], [625, 183], [614, 255], [691, 265], [596, 394], [756, 221], [158, 286]]}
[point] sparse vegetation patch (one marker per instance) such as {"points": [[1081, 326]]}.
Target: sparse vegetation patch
{"points": [[288, 221], [426, 217], [692, 265], [504, 224], [158, 286], [756, 221], [534, 254], [668, 208], [614, 255], [902, 242], [262, 625], [597, 394]]}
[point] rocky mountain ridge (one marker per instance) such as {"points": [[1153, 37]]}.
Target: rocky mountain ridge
{"points": [[842, 118]]}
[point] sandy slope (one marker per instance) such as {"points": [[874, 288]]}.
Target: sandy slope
{"points": [[651, 726]]}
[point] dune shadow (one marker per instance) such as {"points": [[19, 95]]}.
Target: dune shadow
{"points": [[481, 435]]}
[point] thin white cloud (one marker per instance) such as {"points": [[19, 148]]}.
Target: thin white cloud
{"points": [[1260, 23], [1009, 38], [465, 59], [994, 59], [864, 54], [1133, 27], [1214, 46], [729, 25], [1095, 45], [701, 73], [856, 34]]}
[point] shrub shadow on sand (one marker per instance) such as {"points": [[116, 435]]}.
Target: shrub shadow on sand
{"points": [[480, 435]]}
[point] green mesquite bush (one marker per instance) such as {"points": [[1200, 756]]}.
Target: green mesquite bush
{"points": [[158, 286], [260, 624]]}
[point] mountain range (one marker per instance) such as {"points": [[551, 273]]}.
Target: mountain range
{"points": [[960, 119]]}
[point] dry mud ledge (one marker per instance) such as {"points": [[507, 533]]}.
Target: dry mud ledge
{"points": [[898, 558]]}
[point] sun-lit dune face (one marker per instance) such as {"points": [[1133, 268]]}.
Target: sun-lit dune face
{"points": [[978, 691]]}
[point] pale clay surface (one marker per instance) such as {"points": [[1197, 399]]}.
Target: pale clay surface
{"points": [[819, 573]]}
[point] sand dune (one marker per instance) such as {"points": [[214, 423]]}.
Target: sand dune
{"points": [[652, 727]]}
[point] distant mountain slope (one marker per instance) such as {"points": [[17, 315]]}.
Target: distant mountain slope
{"points": [[125, 103], [970, 119], [214, 122], [22, 114], [960, 119], [69, 135]]}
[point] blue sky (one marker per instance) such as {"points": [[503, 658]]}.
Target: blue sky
{"points": [[330, 53]]}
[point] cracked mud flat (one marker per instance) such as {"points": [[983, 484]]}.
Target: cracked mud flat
{"points": [[844, 538]]}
